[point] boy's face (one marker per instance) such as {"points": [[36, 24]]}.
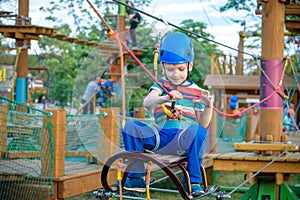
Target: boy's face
{"points": [[177, 73]]}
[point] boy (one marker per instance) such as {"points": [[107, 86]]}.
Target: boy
{"points": [[182, 120]]}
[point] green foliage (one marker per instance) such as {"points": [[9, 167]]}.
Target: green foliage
{"points": [[72, 66], [64, 60], [238, 5], [202, 48]]}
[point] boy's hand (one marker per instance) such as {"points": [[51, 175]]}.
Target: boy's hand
{"points": [[205, 99], [176, 95]]}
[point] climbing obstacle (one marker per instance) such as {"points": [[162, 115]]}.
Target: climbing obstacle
{"points": [[163, 162], [51, 155]]}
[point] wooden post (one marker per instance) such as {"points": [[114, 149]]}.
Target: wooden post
{"points": [[140, 113], [59, 137], [213, 128], [22, 64], [111, 127], [249, 135], [3, 130], [272, 63], [240, 57], [122, 19]]}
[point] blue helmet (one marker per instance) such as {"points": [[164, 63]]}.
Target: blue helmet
{"points": [[176, 48]]}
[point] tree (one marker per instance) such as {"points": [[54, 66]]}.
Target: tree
{"points": [[64, 60]]}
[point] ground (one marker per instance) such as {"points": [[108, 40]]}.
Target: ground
{"points": [[228, 179]]}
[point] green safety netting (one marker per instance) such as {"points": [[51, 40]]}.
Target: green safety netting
{"points": [[230, 131], [26, 144]]}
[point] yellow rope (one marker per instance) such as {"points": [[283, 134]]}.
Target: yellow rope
{"points": [[166, 110], [155, 63], [149, 168], [119, 176]]}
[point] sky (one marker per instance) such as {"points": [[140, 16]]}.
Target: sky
{"points": [[218, 24], [174, 11]]}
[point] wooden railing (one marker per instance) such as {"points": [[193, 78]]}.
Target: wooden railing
{"points": [[231, 65]]}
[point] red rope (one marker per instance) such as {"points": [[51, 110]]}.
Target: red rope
{"points": [[115, 35], [247, 109]]}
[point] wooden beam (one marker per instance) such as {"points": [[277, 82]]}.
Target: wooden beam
{"points": [[292, 11], [72, 185], [237, 82], [264, 147], [29, 29], [293, 25], [254, 166], [232, 82], [38, 68], [118, 74]]}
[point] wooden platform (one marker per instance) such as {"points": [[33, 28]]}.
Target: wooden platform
{"points": [[79, 177], [251, 162]]}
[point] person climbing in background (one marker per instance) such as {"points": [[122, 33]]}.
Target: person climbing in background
{"points": [[286, 107], [181, 121], [91, 89], [288, 121], [134, 20]]}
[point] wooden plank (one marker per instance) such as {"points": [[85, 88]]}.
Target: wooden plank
{"points": [[3, 130], [293, 25], [283, 158], [239, 156], [127, 75], [168, 158], [12, 176], [22, 154], [264, 147], [232, 82], [78, 153], [207, 163], [229, 156], [251, 156], [211, 155], [237, 82], [266, 158], [254, 166], [293, 157], [82, 183]]}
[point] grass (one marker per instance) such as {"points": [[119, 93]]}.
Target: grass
{"points": [[228, 179]]}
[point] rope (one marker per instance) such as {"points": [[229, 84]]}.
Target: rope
{"points": [[245, 110], [276, 90], [149, 168], [119, 176], [114, 35]]}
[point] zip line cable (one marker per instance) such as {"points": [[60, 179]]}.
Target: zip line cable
{"points": [[114, 35], [184, 30]]}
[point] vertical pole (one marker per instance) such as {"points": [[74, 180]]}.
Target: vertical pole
{"points": [[59, 138], [122, 19], [22, 65], [3, 130], [272, 63], [240, 57], [111, 127]]}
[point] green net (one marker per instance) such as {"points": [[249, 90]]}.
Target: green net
{"points": [[84, 143], [26, 162], [230, 131]]}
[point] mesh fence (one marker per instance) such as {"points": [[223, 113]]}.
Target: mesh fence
{"points": [[230, 131], [84, 143], [26, 143]]}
